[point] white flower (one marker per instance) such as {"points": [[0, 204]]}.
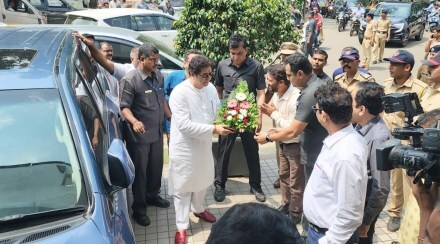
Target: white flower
{"points": [[240, 96], [240, 117], [243, 112], [229, 117], [232, 112]]}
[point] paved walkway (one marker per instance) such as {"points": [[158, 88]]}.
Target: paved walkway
{"points": [[163, 227]]}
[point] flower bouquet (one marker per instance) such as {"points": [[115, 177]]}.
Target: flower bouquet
{"points": [[239, 111]]}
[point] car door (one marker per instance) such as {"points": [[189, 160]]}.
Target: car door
{"points": [[413, 20], [24, 13]]}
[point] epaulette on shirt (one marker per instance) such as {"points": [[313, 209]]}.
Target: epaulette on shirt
{"points": [[367, 77], [339, 76]]}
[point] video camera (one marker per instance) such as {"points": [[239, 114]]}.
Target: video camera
{"points": [[423, 153]]}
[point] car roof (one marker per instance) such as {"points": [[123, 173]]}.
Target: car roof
{"points": [[100, 14], [39, 73]]}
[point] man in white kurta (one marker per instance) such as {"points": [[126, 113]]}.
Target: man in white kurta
{"points": [[190, 151]]}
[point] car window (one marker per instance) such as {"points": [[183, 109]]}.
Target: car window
{"points": [[168, 64], [36, 3], [23, 8], [122, 22], [40, 170], [164, 23], [56, 4], [80, 20], [144, 23]]}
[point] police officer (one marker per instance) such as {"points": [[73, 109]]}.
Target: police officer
{"points": [[423, 72], [350, 64], [383, 34], [431, 99], [368, 41], [401, 81]]}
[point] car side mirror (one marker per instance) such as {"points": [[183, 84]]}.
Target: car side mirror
{"points": [[120, 166]]}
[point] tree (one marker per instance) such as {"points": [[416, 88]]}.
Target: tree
{"points": [[207, 25]]}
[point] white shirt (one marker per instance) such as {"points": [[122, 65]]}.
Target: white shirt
{"points": [[334, 197], [192, 124], [113, 80], [286, 109], [359, 13]]}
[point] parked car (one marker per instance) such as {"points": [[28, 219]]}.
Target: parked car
{"points": [[24, 13], [53, 10], [63, 166], [124, 40], [156, 24], [408, 20]]}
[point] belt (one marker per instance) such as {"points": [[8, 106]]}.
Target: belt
{"points": [[383, 32], [367, 38], [317, 228]]}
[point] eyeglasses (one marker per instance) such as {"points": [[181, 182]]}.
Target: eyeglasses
{"points": [[206, 75], [315, 109]]}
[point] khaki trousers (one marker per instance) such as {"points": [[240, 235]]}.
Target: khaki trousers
{"points": [[380, 40], [292, 177], [366, 47], [400, 192]]}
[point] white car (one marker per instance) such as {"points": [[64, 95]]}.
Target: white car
{"points": [[157, 25]]}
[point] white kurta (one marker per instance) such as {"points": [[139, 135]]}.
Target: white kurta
{"points": [[192, 124]]}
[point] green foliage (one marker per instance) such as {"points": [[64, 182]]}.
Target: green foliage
{"points": [[207, 25], [240, 110]]}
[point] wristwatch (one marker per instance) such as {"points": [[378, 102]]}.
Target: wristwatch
{"points": [[268, 138]]}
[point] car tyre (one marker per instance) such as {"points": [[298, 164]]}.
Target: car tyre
{"points": [[420, 35], [405, 39], [351, 32], [339, 28]]}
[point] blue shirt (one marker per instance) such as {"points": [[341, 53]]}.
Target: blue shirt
{"points": [[340, 70], [172, 80]]}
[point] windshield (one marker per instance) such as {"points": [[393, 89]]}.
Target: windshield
{"points": [[159, 45], [395, 10], [39, 168]]}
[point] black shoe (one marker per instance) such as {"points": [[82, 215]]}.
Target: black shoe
{"points": [[381, 60], [219, 194], [259, 194], [158, 202], [276, 184], [142, 219], [284, 209], [374, 62], [296, 218]]}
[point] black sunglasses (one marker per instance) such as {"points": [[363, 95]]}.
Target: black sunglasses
{"points": [[206, 75]]}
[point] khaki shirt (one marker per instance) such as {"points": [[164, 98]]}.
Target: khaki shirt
{"points": [[369, 29], [434, 43], [431, 99], [397, 119], [423, 74], [342, 79], [383, 24]]}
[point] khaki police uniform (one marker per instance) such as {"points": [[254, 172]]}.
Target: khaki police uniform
{"points": [[382, 26], [423, 74], [366, 43], [431, 99], [344, 82], [400, 188]]}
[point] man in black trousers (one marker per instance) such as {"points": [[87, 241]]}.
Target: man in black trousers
{"points": [[229, 72]]}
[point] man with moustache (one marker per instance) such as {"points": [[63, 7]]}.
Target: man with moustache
{"points": [[142, 106], [351, 76], [340, 70]]}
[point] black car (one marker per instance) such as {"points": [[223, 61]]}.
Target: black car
{"points": [[408, 20], [54, 10]]}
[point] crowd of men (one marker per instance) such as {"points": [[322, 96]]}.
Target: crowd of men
{"points": [[335, 193]]}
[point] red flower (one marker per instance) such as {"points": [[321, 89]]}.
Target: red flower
{"points": [[245, 121], [225, 115], [237, 108], [235, 116]]}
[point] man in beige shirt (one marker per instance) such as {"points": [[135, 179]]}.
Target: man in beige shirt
{"points": [[383, 34], [423, 72], [368, 41], [431, 99], [350, 63], [282, 110], [401, 81]]}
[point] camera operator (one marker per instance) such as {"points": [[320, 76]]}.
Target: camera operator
{"points": [[427, 199], [367, 106], [401, 81]]}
